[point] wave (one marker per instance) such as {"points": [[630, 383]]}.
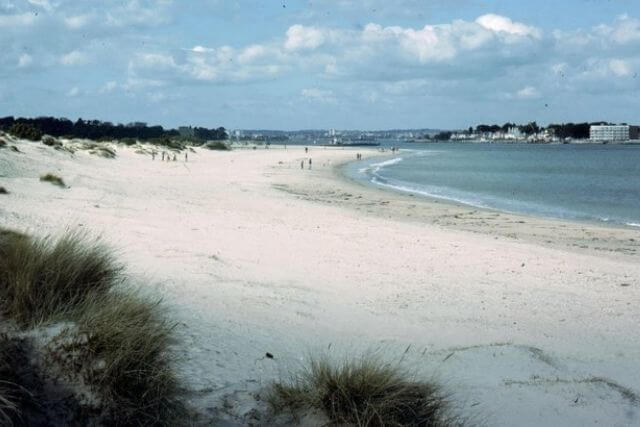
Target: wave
{"points": [[374, 168], [633, 224]]}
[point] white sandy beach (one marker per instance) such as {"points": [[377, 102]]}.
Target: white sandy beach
{"points": [[525, 321]]}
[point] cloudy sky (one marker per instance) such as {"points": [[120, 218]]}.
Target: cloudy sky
{"points": [[297, 64]]}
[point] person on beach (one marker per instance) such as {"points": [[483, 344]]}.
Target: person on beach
{"points": [[309, 163], [163, 156], [306, 149], [174, 157], [186, 157], [301, 164], [153, 155]]}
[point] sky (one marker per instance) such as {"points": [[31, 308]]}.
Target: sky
{"points": [[319, 64]]}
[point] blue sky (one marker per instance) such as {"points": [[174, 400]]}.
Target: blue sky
{"points": [[346, 64]]}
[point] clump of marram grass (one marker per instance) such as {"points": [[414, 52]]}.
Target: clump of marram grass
{"points": [[363, 392], [113, 350], [119, 349], [54, 179], [41, 278]]}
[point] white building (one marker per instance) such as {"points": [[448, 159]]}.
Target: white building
{"points": [[610, 133]]}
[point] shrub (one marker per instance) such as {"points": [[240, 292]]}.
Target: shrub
{"points": [[54, 179], [50, 141], [363, 392], [217, 145], [41, 279], [25, 131], [3, 190]]}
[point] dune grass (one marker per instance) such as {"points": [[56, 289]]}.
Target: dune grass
{"points": [[115, 341], [42, 278], [363, 392], [54, 179], [119, 349]]}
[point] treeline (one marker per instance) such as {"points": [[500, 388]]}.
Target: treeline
{"points": [[99, 130]]}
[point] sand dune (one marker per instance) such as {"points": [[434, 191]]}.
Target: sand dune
{"points": [[526, 321]]}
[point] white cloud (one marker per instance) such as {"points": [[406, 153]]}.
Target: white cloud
{"points": [[502, 24], [528, 92], [139, 12], [17, 20], [74, 91], [74, 57], [78, 21], [301, 37], [626, 30], [25, 60], [620, 67]]}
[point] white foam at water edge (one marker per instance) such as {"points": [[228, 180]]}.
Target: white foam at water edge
{"points": [[633, 224], [375, 167]]}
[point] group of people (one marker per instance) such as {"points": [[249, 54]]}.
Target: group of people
{"points": [[168, 158], [302, 163]]}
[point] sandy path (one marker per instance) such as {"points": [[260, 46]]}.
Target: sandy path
{"points": [[526, 321]]}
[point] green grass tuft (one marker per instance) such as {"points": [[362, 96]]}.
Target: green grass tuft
{"points": [[362, 392], [54, 179], [42, 278]]}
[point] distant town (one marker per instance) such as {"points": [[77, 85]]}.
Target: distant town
{"points": [[601, 132]]}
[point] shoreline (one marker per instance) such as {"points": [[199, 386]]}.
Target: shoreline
{"points": [[343, 174], [621, 239]]}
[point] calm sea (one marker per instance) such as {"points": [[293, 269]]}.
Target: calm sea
{"points": [[583, 182]]}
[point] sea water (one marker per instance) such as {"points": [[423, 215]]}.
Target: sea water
{"points": [[581, 182]]}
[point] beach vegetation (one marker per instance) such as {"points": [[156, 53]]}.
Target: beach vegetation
{"points": [[25, 131], [41, 279], [216, 145], [54, 179], [3, 190], [365, 392], [50, 141], [110, 348]]}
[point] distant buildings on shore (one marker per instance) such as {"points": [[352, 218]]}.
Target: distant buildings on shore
{"points": [[511, 134], [613, 133]]}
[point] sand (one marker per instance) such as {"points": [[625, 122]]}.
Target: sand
{"points": [[525, 321]]}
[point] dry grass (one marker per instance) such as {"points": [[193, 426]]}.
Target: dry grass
{"points": [[116, 345], [119, 348], [54, 179], [362, 392], [42, 278]]}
